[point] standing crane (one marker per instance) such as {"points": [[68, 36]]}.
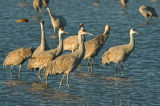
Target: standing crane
{"points": [[94, 45], [147, 11], [17, 57], [41, 60], [68, 62], [57, 21], [43, 46], [120, 53]]}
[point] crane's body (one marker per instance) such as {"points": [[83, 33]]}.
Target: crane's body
{"points": [[147, 11], [17, 57], [68, 62], [120, 53], [94, 45], [41, 60]]}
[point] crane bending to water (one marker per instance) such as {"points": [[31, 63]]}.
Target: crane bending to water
{"points": [[147, 11], [57, 21], [41, 60], [68, 62], [17, 57], [120, 53]]}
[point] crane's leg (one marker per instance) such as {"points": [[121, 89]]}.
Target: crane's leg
{"points": [[116, 69], [55, 31], [11, 71], [68, 81], [61, 81], [20, 66], [88, 65], [146, 20], [38, 74], [122, 69], [88, 62], [92, 65], [46, 80]]}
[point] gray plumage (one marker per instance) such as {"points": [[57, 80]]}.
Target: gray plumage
{"points": [[70, 43], [147, 11], [41, 60], [68, 62], [17, 57], [120, 53], [94, 45], [43, 46], [57, 21]]}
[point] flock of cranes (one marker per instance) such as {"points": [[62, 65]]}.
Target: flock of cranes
{"points": [[53, 61]]}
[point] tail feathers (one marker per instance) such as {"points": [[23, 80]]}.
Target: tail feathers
{"points": [[106, 58]]}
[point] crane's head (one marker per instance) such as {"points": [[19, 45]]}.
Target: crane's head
{"points": [[42, 22], [83, 31], [81, 25], [107, 29], [61, 31], [132, 31]]}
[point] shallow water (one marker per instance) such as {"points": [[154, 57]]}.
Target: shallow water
{"points": [[139, 87]]}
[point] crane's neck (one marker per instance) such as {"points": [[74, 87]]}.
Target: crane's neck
{"points": [[81, 46], [106, 32], [131, 43], [60, 46], [51, 16], [42, 37]]}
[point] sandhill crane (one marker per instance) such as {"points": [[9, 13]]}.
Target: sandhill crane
{"points": [[70, 43], [124, 2], [120, 53], [40, 60], [94, 45], [57, 21], [68, 62], [147, 11], [43, 46], [37, 4], [17, 57]]}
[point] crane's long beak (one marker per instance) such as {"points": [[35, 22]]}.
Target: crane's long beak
{"points": [[136, 33], [65, 32], [89, 33]]}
